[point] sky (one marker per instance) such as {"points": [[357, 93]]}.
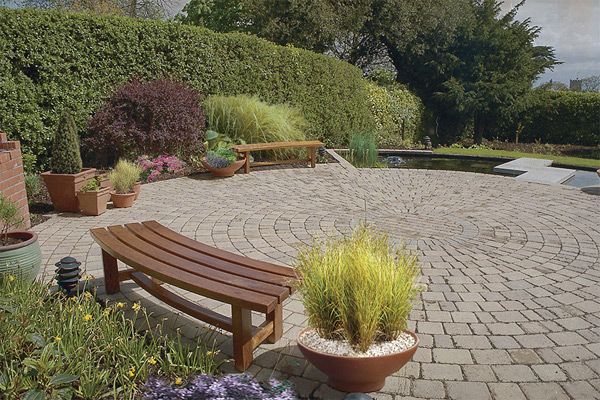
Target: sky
{"points": [[571, 27]]}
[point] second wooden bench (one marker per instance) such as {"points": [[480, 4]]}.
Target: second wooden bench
{"points": [[244, 150]]}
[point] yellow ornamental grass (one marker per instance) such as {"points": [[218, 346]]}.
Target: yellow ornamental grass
{"points": [[359, 286]]}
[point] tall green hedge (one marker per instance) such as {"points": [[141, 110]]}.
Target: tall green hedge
{"points": [[556, 117], [50, 60]]}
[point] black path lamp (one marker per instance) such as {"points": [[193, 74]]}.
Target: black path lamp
{"points": [[68, 274]]}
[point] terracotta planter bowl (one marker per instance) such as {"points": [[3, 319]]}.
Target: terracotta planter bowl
{"points": [[122, 200], [224, 172], [21, 259], [136, 190], [357, 374]]}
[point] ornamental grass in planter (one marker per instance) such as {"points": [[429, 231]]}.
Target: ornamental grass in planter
{"points": [[123, 178], [358, 292]]}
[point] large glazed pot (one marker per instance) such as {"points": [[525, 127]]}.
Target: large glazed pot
{"points": [[21, 259], [63, 188], [357, 374], [224, 172]]}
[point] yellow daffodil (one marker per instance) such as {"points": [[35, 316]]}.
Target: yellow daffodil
{"points": [[120, 305], [130, 374], [136, 307], [108, 347], [88, 294], [87, 317], [106, 312], [152, 360], [178, 381], [57, 339], [11, 278], [86, 277]]}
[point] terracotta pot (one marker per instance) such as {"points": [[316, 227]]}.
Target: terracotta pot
{"points": [[136, 190], [357, 374], [224, 172], [122, 200], [105, 183], [21, 259], [63, 188], [93, 202]]}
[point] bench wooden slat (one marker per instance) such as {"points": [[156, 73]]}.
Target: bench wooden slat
{"points": [[276, 145], [222, 254], [179, 263], [185, 280], [206, 259], [180, 303]]}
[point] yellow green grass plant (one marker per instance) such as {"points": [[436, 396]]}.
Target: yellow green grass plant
{"points": [[362, 150], [254, 121], [124, 176], [359, 286]]}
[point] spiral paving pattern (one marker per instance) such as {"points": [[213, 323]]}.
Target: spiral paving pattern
{"points": [[512, 269]]}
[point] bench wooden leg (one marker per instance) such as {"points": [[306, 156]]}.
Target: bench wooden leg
{"points": [[242, 338], [247, 164], [276, 316], [312, 151], [111, 273]]}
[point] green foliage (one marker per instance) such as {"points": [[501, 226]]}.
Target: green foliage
{"points": [[10, 218], [58, 347], [92, 185], [362, 150], [215, 141], [65, 148], [216, 15], [397, 113], [124, 176], [254, 121], [51, 60], [29, 163], [32, 185], [359, 284]]}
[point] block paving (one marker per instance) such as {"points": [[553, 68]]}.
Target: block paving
{"points": [[511, 308]]}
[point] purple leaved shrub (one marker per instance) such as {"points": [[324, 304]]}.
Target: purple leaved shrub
{"points": [[228, 387], [155, 117]]}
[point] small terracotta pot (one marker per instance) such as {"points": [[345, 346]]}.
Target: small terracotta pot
{"points": [[93, 202], [357, 374], [122, 200], [224, 172], [136, 189]]}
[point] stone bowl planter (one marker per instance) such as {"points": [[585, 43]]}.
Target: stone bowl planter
{"points": [[224, 172], [21, 259], [357, 374]]}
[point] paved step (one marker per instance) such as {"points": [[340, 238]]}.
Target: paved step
{"points": [[547, 175], [521, 165]]}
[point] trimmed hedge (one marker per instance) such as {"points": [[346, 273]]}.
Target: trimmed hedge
{"points": [[557, 117], [50, 60]]}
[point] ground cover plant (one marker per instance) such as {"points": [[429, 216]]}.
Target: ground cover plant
{"points": [[53, 346], [585, 162], [220, 158], [163, 166], [254, 121], [147, 118]]}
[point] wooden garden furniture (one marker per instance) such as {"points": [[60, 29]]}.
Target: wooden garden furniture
{"points": [[159, 255], [243, 151]]}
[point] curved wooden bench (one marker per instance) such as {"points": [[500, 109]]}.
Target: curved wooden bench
{"points": [[159, 255], [243, 150]]}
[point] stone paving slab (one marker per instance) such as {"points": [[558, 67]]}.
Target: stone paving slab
{"points": [[546, 175], [512, 269], [521, 165]]}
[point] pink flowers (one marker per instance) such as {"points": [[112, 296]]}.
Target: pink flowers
{"points": [[165, 164]]}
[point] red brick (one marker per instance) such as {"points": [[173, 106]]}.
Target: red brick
{"points": [[2, 136]]}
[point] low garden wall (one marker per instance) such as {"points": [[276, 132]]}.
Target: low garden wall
{"points": [[12, 180]]}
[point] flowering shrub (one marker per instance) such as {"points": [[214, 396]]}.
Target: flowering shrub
{"points": [[161, 165], [221, 158], [147, 118], [209, 387]]}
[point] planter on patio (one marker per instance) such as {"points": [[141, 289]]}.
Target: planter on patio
{"points": [[23, 258], [226, 172], [93, 202], [63, 188]]}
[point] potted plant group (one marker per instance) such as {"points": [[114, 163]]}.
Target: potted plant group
{"points": [[222, 162], [123, 179], [66, 175], [93, 197], [20, 253], [358, 292]]}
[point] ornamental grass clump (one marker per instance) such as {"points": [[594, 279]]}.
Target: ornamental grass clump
{"points": [[363, 152], [58, 347], [359, 286], [220, 158], [124, 176]]}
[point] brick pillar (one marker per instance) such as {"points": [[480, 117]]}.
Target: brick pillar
{"points": [[12, 180]]}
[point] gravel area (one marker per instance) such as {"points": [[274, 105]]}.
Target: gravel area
{"points": [[343, 348]]}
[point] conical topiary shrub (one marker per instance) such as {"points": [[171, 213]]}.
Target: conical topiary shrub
{"points": [[66, 158]]}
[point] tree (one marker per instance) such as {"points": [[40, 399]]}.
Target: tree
{"points": [[591, 84], [216, 15], [149, 9]]}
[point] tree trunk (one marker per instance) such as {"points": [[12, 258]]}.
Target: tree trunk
{"points": [[479, 128]]}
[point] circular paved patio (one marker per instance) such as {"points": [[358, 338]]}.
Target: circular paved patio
{"points": [[512, 269]]}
